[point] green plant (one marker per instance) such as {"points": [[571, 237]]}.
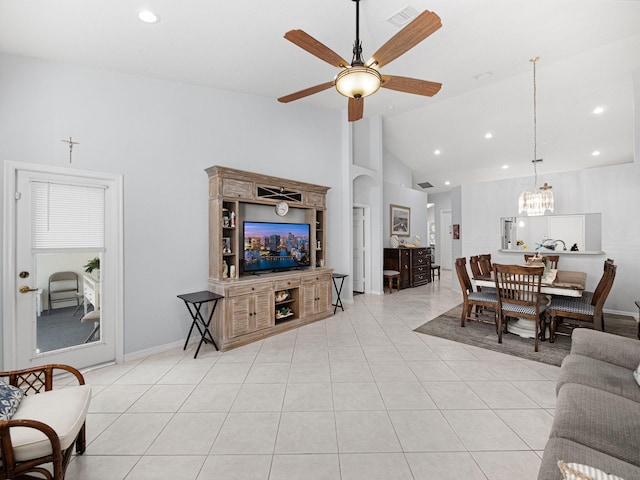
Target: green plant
{"points": [[93, 264]]}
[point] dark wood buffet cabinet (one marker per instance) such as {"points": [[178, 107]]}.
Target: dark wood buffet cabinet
{"points": [[414, 265]]}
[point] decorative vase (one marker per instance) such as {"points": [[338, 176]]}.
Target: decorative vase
{"points": [[394, 241], [232, 271]]}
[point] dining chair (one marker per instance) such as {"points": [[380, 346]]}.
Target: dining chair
{"points": [[579, 309], [518, 288], [553, 259], [481, 300], [474, 263], [485, 264], [588, 296]]}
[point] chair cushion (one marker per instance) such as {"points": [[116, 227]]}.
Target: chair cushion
{"points": [[64, 410], [10, 398], [571, 305], [524, 309], [483, 296]]}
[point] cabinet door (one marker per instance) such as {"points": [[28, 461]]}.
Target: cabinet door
{"points": [[263, 315], [239, 315], [405, 268], [308, 293], [322, 296]]}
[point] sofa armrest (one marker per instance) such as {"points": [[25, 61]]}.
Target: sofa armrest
{"points": [[614, 349]]}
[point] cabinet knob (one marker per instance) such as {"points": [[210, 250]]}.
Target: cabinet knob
{"points": [[253, 288]]}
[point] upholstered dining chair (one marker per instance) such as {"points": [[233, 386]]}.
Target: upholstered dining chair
{"points": [[474, 263], [478, 300], [518, 288], [579, 308], [40, 425], [553, 259]]}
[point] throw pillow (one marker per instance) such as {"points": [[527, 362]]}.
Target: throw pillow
{"points": [[636, 374], [10, 398], [576, 471]]}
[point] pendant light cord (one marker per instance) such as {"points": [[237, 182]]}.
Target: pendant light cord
{"points": [[535, 127]]}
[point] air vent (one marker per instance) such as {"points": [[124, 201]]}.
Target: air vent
{"points": [[403, 17], [425, 185]]}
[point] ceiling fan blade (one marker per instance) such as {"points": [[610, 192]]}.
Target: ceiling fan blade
{"points": [[306, 92], [420, 28], [314, 47], [411, 85], [356, 109]]}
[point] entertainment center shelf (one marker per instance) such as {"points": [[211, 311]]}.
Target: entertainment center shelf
{"points": [[260, 303]]}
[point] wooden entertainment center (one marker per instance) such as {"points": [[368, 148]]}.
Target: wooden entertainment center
{"points": [[262, 304]]}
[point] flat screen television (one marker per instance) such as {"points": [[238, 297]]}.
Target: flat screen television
{"points": [[275, 246]]}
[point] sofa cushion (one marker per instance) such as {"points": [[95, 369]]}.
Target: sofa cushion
{"points": [[598, 374], [64, 410], [610, 348], [569, 451], [10, 398], [598, 419]]}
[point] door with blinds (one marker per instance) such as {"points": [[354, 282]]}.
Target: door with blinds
{"points": [[67, 269]]}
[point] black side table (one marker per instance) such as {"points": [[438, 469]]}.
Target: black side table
{"points": [[197, 299], [334, 277]]}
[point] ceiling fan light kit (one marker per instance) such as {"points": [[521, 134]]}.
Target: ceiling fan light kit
{"points": [[359, 79]]}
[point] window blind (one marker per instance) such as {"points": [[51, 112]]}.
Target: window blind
{"points": [[67, 216]]}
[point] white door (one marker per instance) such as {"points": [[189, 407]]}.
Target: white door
{"points": [[35, 334], [445, 239], [358, 250]]}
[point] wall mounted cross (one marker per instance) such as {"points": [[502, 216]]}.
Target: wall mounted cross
{"points": [[71, 144]]}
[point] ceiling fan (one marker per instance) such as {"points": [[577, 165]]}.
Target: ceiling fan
{"points": [[359, 79]]}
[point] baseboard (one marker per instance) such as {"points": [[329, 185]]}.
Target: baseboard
{"points": [[620, 312], [153, 350]]}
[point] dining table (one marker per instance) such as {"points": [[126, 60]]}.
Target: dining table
{"points": [[555, 282]]}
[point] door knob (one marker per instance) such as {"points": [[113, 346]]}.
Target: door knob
{"points": [[25, 289]]}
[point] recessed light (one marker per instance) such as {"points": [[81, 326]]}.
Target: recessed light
{"points": [[482, 76], [447, 182], [504, 167], [436, 152], [391, 107], [147, 16], [598, 110], [488, 135], [596, 153]]}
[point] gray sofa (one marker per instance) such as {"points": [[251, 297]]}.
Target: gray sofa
{"points": [[597, 415]]}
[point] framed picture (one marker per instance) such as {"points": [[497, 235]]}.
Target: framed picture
{"points": [[400, 220], [456, 232], [226, 245]]}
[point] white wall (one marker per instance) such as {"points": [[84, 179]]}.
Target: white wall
{"points": [[405, 197], [395, 171], [161, 136]]}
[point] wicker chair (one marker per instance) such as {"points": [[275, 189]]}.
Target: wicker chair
{"points": [[479, 300], [45, 426], [518, 290], [579, 308]]}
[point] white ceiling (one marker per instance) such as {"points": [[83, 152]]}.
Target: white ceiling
{"points": [[588, 49]]}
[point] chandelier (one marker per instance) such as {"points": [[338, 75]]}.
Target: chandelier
{"points": [[541, 199]]}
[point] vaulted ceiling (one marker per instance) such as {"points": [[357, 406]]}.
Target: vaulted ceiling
{"points": [[588, 54]]}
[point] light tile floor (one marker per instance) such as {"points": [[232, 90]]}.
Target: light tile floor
{"points": [[356, 396]]}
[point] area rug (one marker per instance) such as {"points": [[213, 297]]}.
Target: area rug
{"points": [[484, 335]]}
